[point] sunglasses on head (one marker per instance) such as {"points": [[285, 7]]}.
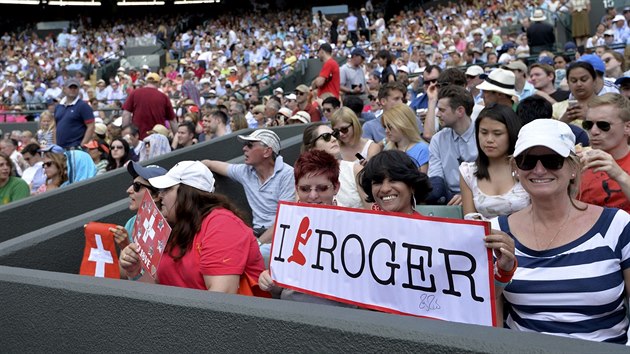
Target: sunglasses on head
{"points": [[137, 185], [320, 188], [327, 136], [527, 162], [48, 164], [344, 130], [601, 125]]}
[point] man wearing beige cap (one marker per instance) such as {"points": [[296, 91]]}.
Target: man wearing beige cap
{"points": [[149, 107], [300, 117], [473, 79], [305, 102], [264, 176]]}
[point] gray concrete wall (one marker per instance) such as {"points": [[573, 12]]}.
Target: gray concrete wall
{"points": [[8, 127], [36, 212], [53, 312]]}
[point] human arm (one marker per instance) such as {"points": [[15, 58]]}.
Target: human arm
{"points": [[130, 262], [429, 119], [318, 82], [545, 95], [373, 150], [468, 202], [601, 161], [266, 284], [121, 237], [356, 168], [219, 167], [89, 132], [502, 247], [222, 283], [577, 111], [126, 116]]}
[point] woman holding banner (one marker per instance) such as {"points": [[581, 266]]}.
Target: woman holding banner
{"points": [[210, 246], [316, 182], [574, 258]]}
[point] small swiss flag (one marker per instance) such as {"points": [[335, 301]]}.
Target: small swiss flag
{"points": [[99, 257]]}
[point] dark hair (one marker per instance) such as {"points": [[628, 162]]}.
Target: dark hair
{"points": [[584, 65], [9, 162], [397, 166], [32, 148], [457, 96], [190, 126], [452, 76], [133, 129], [391, 86], [317, 163], [432, 67], [533, 107], [384, 54], [191, 207], [111, 162], [221, 115], [355, 103], [309, 134], [332, 100], [502, 114]]}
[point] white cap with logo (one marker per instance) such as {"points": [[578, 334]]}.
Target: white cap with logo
{"points": [[191, 173]]}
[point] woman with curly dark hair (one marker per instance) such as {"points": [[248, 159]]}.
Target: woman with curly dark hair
{"points": [[211, 247], [118, 154], [392, 181]]}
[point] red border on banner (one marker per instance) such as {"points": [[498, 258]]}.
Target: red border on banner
{"points": [[417, 216]]}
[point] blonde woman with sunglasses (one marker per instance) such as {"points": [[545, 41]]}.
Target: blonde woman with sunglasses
{"points": [[350, 141]]}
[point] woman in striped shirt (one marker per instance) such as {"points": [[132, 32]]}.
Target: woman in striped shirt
{"points": [[573, 270]]}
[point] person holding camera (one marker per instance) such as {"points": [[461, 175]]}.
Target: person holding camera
{"points": [[353, 77]]}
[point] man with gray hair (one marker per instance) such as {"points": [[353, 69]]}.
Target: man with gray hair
{"points": [[264, 176]]}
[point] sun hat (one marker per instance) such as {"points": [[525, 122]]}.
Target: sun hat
{"points": [[499, 80], [550, 133], [191, 173], [538, 15]]}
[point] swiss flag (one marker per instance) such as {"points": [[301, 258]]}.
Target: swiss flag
{"points": [[99, 257]]}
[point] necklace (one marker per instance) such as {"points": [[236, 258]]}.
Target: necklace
{"points": [[554, 236]]}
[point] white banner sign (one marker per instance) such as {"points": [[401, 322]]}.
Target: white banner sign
{"points": [[414, 265]]}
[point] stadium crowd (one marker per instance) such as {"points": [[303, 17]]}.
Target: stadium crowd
{"points": [[466, 105]]}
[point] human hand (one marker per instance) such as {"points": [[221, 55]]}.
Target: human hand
{"points": [[601, 161], [432, 91], [502, 247], [121, 237], [264, 281], [577, 111], [130, 260], [456, 200]]}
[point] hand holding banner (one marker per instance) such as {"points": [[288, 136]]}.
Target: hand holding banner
{"points": [[415, 265], [151, 234]]}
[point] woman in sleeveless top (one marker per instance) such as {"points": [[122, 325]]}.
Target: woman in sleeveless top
{"points": [[350, 141]]}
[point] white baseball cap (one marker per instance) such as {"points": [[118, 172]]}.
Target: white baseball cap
{"points": [[474, 70], [265, 136], [550, 133], [191, 173]]}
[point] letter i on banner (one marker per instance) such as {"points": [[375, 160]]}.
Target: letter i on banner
{"points": [[151, 234], [99, 256]]}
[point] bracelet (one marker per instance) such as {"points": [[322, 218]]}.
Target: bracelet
{"points": [[502, 278], [507, 273], [137, 276], [501, 284]]}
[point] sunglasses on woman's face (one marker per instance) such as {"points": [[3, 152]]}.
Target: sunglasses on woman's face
{"points": [[118, 147], [320, 188], [138, 185], [344, 130], [601, 125], [48, 164], [327, 136], [549, 162]]}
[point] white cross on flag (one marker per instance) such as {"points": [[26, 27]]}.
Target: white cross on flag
{"points": [[99, 256], [152, 233]]}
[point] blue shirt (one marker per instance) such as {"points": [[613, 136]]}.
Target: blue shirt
{"points": [[71, 121], [420, 102], [374, 130], [263, 197], [447, 151]]}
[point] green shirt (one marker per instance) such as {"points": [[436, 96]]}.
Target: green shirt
{"points": [[15, 189]]}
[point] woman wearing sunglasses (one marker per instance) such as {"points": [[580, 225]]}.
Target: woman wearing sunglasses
{"points": [[488, 188], [316, 182], [139, 185], [403, 134], [55, 169], [573, 272], [118, 154], [350, 140], [320, 136]]}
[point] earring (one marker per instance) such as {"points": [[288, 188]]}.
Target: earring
{"points": [[514, 174], [573, 175]]}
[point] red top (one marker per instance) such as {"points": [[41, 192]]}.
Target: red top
{"points": [[599, 189], [149, 107], [330, 72], [223, 246]]}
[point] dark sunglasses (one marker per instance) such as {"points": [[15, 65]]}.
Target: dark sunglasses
{"points": [[328, 110], [118, 147], [601, 125], [250, 144], [429, 82], [327, 136], [528, 162], [300, 93], [344, 130], [48, 164], [320, 188], [137, 185]]}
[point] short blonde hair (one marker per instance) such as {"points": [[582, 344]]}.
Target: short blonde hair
{"points": [[613, 99], [401, 117], [346, 115]]}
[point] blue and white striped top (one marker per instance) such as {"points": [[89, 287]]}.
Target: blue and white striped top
{"points": [[576, 290]]}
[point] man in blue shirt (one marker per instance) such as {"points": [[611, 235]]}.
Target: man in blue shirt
{"points": [[74, 119]]}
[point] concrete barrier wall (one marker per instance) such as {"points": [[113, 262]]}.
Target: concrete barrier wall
{"points": [[9, 127], [53, 312], [37, 212]]}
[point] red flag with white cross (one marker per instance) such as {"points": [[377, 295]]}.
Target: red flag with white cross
{"points": [[99, 257]]}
